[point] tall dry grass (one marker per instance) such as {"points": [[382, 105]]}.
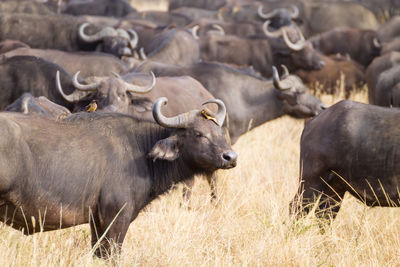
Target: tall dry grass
{"points": [[250, 226]]}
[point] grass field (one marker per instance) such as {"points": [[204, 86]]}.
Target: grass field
{"points": [[249, 226]]}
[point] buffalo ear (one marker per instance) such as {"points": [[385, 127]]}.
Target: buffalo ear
{"points": [[165, 149]]}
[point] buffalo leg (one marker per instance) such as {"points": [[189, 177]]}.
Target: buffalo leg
{"points": [[326, 188], [108, 231], [212, 181], [187, 189]]}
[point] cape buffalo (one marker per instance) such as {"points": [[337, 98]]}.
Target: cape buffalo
{"points": [[66, 33], [362, 45], [349, 147], [102, 169], [262, 52], [337, 68], [119, 94]]}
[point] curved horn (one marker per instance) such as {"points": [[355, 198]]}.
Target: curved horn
{"points": [[268, 15], [116, 75], [195, 29], [134, 39], [274, 34], [142, 89], [107, 31], [72, 98], [25, 104], [285, 71], [142, 53], [221, 113], [295, 12], [179, 121], [376, 43], [219, 29], [84, 87], [277, 80], [293, 46]]}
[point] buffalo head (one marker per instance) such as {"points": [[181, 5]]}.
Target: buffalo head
{"points": [[112, 94], [298, 103], [279, 17], [199, 139], [117, 42], [299, 52]]}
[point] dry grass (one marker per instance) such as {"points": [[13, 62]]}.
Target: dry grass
{"points": [[250, 226]]}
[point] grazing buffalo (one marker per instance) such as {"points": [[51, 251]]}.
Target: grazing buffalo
{"points": [[250, 100], [66, 33], [26, 74], [110, 8], [89, 63], [42, 106], [101, 168], [378, 66], [387, 90], [262, 52], [338, 71], [349, 147], [362, 45]]}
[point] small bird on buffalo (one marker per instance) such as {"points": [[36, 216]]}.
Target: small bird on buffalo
{"points": [[92, 106]]}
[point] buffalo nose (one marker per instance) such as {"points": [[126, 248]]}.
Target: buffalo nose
{"points": [[230, 157]]}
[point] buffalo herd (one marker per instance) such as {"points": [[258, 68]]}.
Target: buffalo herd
{"points": [[105, 107]]}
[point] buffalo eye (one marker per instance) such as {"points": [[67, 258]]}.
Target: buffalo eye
{"points": [[198, 134]]}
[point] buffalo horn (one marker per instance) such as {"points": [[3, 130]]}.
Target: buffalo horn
{"points": [[142, 54], [180, 121], [84, 87], [295, 12], [134, 39], [376, 43], [72, 98], [276, 79], [274, 34], [141, 89], [293, 46], [221, 113], [107, 31], [25, 104], [194, 31], [268, 15], [219, 29]]}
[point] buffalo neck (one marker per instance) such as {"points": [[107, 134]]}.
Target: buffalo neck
{"points": [[163, 174]]}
